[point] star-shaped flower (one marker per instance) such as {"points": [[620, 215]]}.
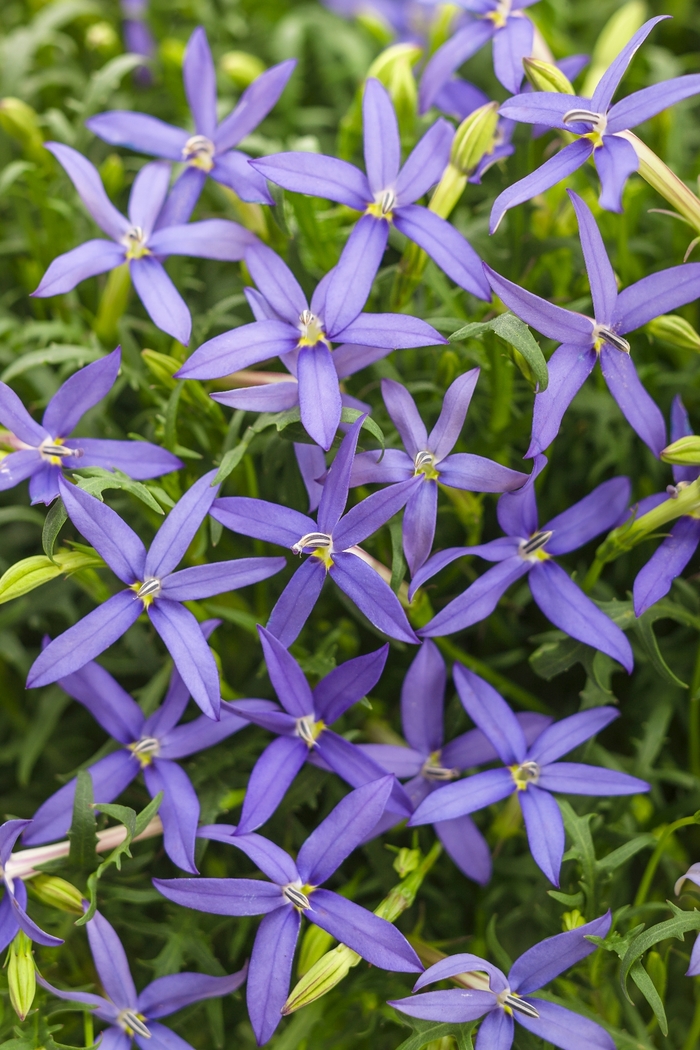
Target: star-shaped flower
{"points": [[13, 906]]}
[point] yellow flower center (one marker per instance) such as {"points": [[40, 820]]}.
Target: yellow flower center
{"points": [[424, 464], [432, 769], [603, 334], [309, 730], [134, 241], [524, 774], [588, 116], [133, 1023], [54, 451], [147, 591], [311, 328], [199, 152], [500, 16], [511, 1002], [533, 549], [383, 206], [298, 895], [145, 750]]}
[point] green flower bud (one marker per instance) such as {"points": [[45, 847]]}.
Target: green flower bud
{"points": [[676, 331], [407, 860], [545, 77], [623, 24], [172, 52], [241, 67], [314, 944], [21, 122], [475, 138], [394, 68], [113, 302], [570, 920], [102, 37], [57, 893], [683, 453], [21, 975], [112, 174]]}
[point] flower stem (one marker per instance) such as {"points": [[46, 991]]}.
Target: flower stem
{"points": [[694, 720], [647, 878]]}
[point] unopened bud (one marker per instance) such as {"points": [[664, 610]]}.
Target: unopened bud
{"points": [[676, 331], [683, 453], [475, 137], [57, 893], [394, 68], [112, 174], [21, 122], [172, 52], [101, 37], [21, 975], [241, 67], [407, 860], [321, 978], [570, 920], [616, 32], [547, 77], [314, 944], [442, 24]]}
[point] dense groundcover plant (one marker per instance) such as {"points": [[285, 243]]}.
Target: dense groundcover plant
{"points": [[349, 614]]}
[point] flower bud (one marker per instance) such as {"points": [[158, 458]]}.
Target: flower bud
{"points": [[21, 122], [57, 893], [546, 77], [475, 138], [570, 920], [394, 68], [676, 331], [683, 453], [21, 975], [113, 303], [324, 975], [407, 860], [101, 37], [616, 32], [241, 67], [315, 943]]}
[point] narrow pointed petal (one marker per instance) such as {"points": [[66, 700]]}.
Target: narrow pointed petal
{"points": [[351, 283], [600, 272], [107, 702], [140, 132], [546, 960], [369, 469], [138, 459], [425, 164], [296, 601], [553, 321], [473, 748], [111, 962], [312, 466], [564, 736], [554, 170], [656, 294], [161, 1038], [270, 970], [286, 676], [209, 239], [391, 331], [465, 43], [463, 470], [375, 939], [458, 98], [204, 732], [223, 896], [204, 581], [639, 409], [85, 640], [244, 346], [276, 282], [491, 714], [654, 581], [357, 767], [192, 656], [569, 367], [445, 245], [396, 759], [161, 299], [165, 995], [547, 108], [597, 512], [465, 796], [43, 484], [272, 397], [645, 104], [574, 778], [199, 77], [455, 405], [680, 421], [262, 520], [381, 137], [269, 781], [179, 528], [10, 831], [372, 596], [319, 176], [87, 260], [496, 1031], [615, 161], [254, 104], [422, 699], [571, 611], [565, 1029], [80, 392], [545, 830], [478, 601], [350, 358], [320, 403], [233, 169], [88, 183], [463, 963], [34, 932], [18, 466], [495, 550], [466, 846], [89, 998], [348, 683], [271, 859], [111, 537], [404, 414], [342, 831], [608, 83], [337, 483], [517, 511], [182, 199], [179, 811], [455, 1005], [148, 193], [368, 516], [15, 417], [511, 45]]}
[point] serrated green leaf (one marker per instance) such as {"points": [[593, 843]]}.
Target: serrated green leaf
{"points": [[681, 923], [96, 480], [515, 332], [648, 989], [83, 830], [430, 1031]]}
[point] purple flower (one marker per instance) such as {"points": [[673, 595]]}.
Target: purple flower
{"points": [[530, 772], [150, 746], [430, 763], [505, 999], [411, 20], [13, 907], [139, 240], [600, 127], [301, 335], [528, 549], [210, 150], [303, 732], [427, 457], [671, 557], [386, 195], [331, 542], [502, 21], [151, 587], [44, 449], [601, 337], [295, 890], [138, 37], [132, 1015], [693, 873]]}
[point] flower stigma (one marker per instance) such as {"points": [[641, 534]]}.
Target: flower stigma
{"points": [[588, 116], [603, 334], [511, 1001], [501, 14], [311, 329], [320, 544], [432, 769], [134, 240], [309, 730], [55, 451], [424, 463], [296, 896], [524, 774], [383, 206], [145, 750], [199, 152], [533, 549], [132, 1023], [148, 590]]}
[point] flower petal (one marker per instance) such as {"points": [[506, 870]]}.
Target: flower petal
{"points": [[645, 104], [615, 161], [381, 137], [462, 470], [271, 397], [464, 796], [496, 1031], [368, 516], [565, 1029], [111, 962], [15, 417], [192, 656], [545, 830], [179, 528], [351, 282], [140, 132], [182, 199], [543, 107], [574, 778], [277, 283], [233, 169], [348, 683], [18, 466], [204, 581], [553, 321], [425, 164], [179, 811], [87, 260], [319, 395], [464, 963], [608, 83], [270, 780], [296, 601], [210, 239], [375, 939], [597, 512], [639, 409], [491, 714], [455, 1005], [466, 846], [654, 581], [357, 767], [455, 405], [564, 736], [203, 732], [445, 245], [656, 294], [199, 77], [165, 995], [511, 45], [552, 956], [254, 104], [600, 272], [161, 299], [422, 699], [138, 459], [107, 702], [569, 367], [223, 896], [391, 331], [287, 677], [465, 43], [372, 596], [111, 537], [244, 346], [554, 170], [478, 601], [262, 520], [88, 183], [148, 193], [80, 392], [319, 176], [270, 970]]}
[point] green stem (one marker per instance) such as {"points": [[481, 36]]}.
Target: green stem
{"points": [[691, 1040], [694, 720], [89, 1028], [647, 878], [504, 685]]}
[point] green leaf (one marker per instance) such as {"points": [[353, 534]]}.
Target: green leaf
{"points": [[53, 523], [430, 1031], [517, 334], [556, 655], [26, 514], [350, 415], [106, 80], [96, 480], [617, 857], [52, 355], [681, 923], [82, 834], [398, 562], [648, 989], [26, 575]]}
